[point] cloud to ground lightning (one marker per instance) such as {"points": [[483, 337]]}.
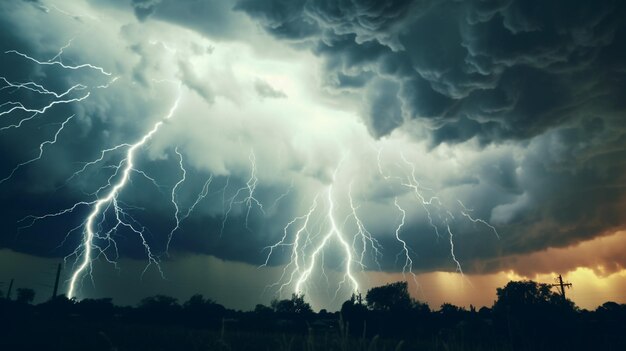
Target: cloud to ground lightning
{"points": [[314, 232], [111, 198]]}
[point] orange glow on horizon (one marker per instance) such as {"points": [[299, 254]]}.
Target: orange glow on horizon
{"points": [[599, 277]]}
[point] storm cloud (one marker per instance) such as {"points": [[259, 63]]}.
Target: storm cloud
{"points": [[493, 70], [512, 108]]}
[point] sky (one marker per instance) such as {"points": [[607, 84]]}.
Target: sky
{"points": [[251, 149]]}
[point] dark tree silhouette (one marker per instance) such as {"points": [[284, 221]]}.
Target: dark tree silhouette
{"points": [[394, 296], [198, 311], [353, 309], [295, 305], [263, 310], [25, 295], [159, 309], [159, 302], [96, 309], [526, 316], [59, 306], [354, 314], [524, 296], [527, 308]]}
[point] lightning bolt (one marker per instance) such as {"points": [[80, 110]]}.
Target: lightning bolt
{"points": [[19, 107], [458, 264], [201, 195], [57, 99], [177, 214], [58, 55], [433, 207], [249, 200], [96, 240], [296, 250], [282, 196], [412, 183], [58, 62], [362, 233], [408, 262], [109, 199], [477, 220], [302, 265], [308, 245], [41, 149], [92, 225], [335, 232], [38, 88]]}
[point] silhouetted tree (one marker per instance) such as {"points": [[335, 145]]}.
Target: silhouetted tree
{"points": [[200, 311], [58, 306], [611, 318], [484, 312], [394, 296], [420, 307], [25, 295], [526, 308], [159, 302], [159, 309], [295, 305], [96, 309], [611, 310], [612, 313], [354, 314], [450, 315], [527, 296], [450, 309], [263, 310]]}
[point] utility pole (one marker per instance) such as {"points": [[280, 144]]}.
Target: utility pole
{"points": [[561, 285], [10, 288], [56, 282]]}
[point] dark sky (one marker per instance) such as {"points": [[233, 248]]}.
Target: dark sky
{"points": [[322, 140]]}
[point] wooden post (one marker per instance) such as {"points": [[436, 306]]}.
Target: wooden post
{"points": [[56, 282], [561, 285], [10, 288]]}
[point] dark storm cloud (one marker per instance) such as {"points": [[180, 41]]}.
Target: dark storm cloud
{"points": [[388, 116], [213, 18], [282, 18], [144, 8], [493, 70]]}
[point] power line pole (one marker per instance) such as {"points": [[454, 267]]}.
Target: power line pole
{"points": [[56, 282], [10, 288], [561, 285]]}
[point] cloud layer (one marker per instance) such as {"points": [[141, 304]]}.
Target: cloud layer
{"points": [[491, 70], [511, 108]]}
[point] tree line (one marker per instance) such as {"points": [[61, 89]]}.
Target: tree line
{"points": [[525, 316]]}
